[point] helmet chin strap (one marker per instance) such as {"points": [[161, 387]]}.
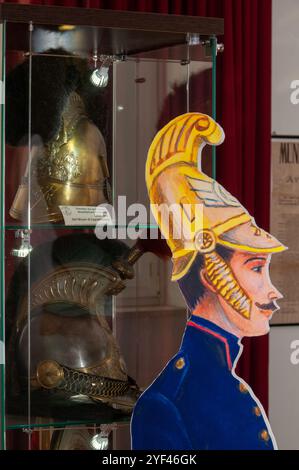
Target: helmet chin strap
{"points": [[223, 280]]}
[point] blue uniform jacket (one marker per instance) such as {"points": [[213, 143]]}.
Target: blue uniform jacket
{"points": [[198, 402]]}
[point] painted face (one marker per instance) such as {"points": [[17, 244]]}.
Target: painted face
{"points": [[252, 273]]}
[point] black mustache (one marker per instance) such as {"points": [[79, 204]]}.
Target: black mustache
{"points": [[269, 306]]}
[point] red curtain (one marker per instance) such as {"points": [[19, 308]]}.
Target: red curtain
{"points": [[243, 109]]}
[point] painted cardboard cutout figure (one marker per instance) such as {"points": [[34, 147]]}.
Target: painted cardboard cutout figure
{"points": [[221, 262]]}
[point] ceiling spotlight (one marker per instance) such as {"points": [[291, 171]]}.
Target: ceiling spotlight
{"points": [[100, 441], [100, 75], [24, 247]]}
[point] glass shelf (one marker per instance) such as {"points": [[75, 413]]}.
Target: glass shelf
{"points": [[74, 227], [40, 414], [61, 424]]}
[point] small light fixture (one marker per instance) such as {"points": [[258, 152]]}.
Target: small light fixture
{"points": [[25, 248], [100, 441], [100, 75]]}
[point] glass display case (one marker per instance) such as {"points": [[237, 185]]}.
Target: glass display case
{"points": [[88, 313]]}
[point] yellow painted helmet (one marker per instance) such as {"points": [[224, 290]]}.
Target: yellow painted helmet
{"points": [[201, 213]]}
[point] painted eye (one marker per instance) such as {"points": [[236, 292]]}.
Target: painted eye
{"points": [[257, 269]]}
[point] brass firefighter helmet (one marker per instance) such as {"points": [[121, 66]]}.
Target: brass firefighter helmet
{"points": [[71, 169], [194, 212]]}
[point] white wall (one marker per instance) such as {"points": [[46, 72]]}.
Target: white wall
{"points": [[284, 385], [283, 375], [285, 68]]}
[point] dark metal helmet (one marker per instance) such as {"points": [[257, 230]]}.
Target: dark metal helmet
{"points": [[67, 308]]}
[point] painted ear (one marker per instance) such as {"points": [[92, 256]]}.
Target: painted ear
{"points": [[206, 281]]}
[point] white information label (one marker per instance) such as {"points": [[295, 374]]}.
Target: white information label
{"points": [[86, 215]]}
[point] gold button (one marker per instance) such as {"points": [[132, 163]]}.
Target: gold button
{"points": [[180, 363], [243, 388], [257, 411], [264, 435]]}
